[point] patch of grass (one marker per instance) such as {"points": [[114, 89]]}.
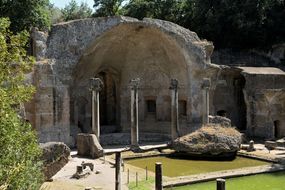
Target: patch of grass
{"points": [[142, 185]]}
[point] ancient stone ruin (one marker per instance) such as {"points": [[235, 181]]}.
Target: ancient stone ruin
{"points": [[120, 49], [209, 141]]}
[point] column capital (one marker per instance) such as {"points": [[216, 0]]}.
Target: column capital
{"points": [[96, 84], [173, 84], [206, 83], [134, 83]]}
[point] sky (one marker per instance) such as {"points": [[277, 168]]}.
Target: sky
{"points": [[62, 3]]}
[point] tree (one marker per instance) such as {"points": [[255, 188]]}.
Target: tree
{"points": [[243, 24], [107, 7], [25, 14], [170, 10], [20, 167], [274, 22], [56, 15], [74, 11]]}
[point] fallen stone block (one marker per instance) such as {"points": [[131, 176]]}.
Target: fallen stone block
{"points": [[281, 142], [55, 156], [89, 164], [270, 145], [250, 147], [88, 145]]}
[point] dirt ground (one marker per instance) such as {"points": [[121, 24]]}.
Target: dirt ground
{"points": [[104, 180]]}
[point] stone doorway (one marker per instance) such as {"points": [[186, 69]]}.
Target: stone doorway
{"points": [[241, 121], [109, 104], [277, 129]]}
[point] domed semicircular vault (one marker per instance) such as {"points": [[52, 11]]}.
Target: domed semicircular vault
{"points": [[125, 52]]}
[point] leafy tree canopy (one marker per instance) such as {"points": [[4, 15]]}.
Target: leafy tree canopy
{"points": [[235, 24], [74, 11], [25, 14], [162, 9], [107, 7], [20, 168], [56, 15]]}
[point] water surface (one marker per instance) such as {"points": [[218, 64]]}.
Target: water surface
{"points": [[173, 167]]}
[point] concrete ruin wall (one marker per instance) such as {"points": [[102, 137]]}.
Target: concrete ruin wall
{"points": [[227, 97], [265, 100], [253, 98], [123, 48], [118, 49]]}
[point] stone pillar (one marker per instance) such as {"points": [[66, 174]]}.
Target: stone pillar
{"points": [[134, 84], [158, 176], [96, 87], [221, 184], [206, 107], [118, 171], [174, 109]]}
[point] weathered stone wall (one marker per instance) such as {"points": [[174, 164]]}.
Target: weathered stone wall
{"points": [[253, 98], [122, 48], [48, 112], [227, 97], [264, 96]]}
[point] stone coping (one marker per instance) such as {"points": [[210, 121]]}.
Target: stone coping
{"points": [[197, 178], [258, 157], [274, 166]]}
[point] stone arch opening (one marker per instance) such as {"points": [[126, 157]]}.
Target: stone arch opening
{"points": [[182, 106], [277, 132], [239, 83], [222, 113], [80, 117], [228, 98], [109, 104]]}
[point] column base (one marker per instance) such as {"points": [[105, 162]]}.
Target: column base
{"points": [[136, 148]]}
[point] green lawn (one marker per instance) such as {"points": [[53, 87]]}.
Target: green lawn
{"points": [[274, 181], [142, 185]]}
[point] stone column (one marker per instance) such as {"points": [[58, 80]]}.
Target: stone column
{"points": [[221, 184], [174, 109], [158, 176], [118, 171], [205, 110], [96, 87], [134, 84]]}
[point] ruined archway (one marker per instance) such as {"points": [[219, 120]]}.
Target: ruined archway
{"points": [[132, 51], [123, 48]]}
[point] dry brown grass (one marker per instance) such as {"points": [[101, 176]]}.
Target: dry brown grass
{"points": [[218, 129]]}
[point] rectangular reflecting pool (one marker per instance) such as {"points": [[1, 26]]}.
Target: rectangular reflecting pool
{"points": [[272, 181], [173, 167]]}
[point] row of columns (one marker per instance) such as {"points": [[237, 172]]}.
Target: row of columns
{"points": [[97, 85]]}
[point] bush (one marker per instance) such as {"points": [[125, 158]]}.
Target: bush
{"points": [[20, 166]]}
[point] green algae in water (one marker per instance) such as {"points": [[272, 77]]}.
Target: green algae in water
{"points": [[173, 167], [272, 181]]}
